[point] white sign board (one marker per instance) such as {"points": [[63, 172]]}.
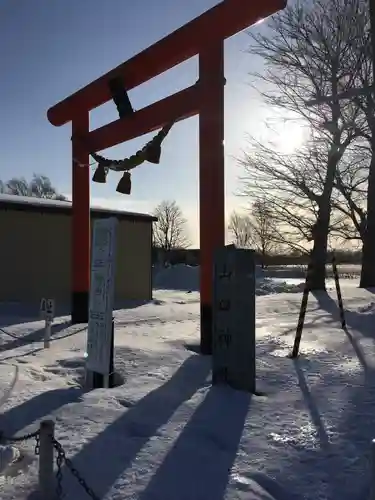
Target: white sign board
{"points": [[102, 288], [47, 309], [233, 335]]}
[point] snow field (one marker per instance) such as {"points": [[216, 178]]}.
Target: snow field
{"points": [[166, 434]]}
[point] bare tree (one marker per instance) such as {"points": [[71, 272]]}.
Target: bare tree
{"points": [[2, 187], [290, 185], [18, 186], [40, 186], [256, 230], [307, 50], [349, 198], [240, 229], [363, 57], [264, 228], [170, 230]]}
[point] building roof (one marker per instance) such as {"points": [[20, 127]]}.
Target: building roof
{"points": [[43, 205]]}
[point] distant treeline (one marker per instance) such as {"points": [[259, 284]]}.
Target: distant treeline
{"points": [[191, 257]]}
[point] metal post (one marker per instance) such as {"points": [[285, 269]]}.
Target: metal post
{"points": [[338, 291], [47, 485], [302, 314]]}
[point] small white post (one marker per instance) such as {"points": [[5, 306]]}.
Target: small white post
{"points": [[47, 486], [47, 333], [47, 312]]}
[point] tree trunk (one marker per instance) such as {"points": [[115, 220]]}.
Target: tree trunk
{"points": [[318, 256], [368, 249], [263, 258]]}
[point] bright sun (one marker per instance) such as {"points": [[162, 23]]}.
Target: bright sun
{"points": [[283, 133], [286, 136]]}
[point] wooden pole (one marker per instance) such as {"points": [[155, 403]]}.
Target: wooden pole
{"points": [[47, 486]]}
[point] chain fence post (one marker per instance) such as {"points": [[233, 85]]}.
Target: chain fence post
{"points": [[47, 334], [47, 484]]}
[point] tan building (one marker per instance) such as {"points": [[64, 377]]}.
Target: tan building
{"points": [[35, 251]]}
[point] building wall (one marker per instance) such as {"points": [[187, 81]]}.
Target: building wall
{"points": [[35, 257], [134, 260]]}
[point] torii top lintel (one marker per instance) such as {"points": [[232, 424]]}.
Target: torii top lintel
{"points": [[222, 21]]}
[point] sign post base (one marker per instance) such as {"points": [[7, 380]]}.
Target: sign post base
{"points": [[233, 335], [95, 380]]}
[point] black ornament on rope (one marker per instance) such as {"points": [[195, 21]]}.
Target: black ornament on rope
{"points": [[151, 152]]}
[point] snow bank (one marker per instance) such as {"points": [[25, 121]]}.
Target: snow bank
{"points": [[8, 455], [268, 286], [186, 278], [167, 434]]}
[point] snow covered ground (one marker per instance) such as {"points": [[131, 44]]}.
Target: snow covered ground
{"points": [[166, 434], [182, 277]]}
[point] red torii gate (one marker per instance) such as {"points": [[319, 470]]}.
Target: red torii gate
{"points": [[203, 36]]}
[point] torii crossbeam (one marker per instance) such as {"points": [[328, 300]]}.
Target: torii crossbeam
{"points": [[204, 36]]}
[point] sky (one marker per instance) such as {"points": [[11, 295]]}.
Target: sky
{"points": [[51, 48]]}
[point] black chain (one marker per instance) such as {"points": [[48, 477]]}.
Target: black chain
{"points": [[37, 444], [59, 474], [19, 338], [60, 460], [18, 439], [11, 335]]}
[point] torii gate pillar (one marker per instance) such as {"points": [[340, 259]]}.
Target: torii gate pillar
{"points": [[204, 36], [211, 177]]}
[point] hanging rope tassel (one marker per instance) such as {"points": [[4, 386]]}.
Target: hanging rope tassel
{"points": [[151, 152]]}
